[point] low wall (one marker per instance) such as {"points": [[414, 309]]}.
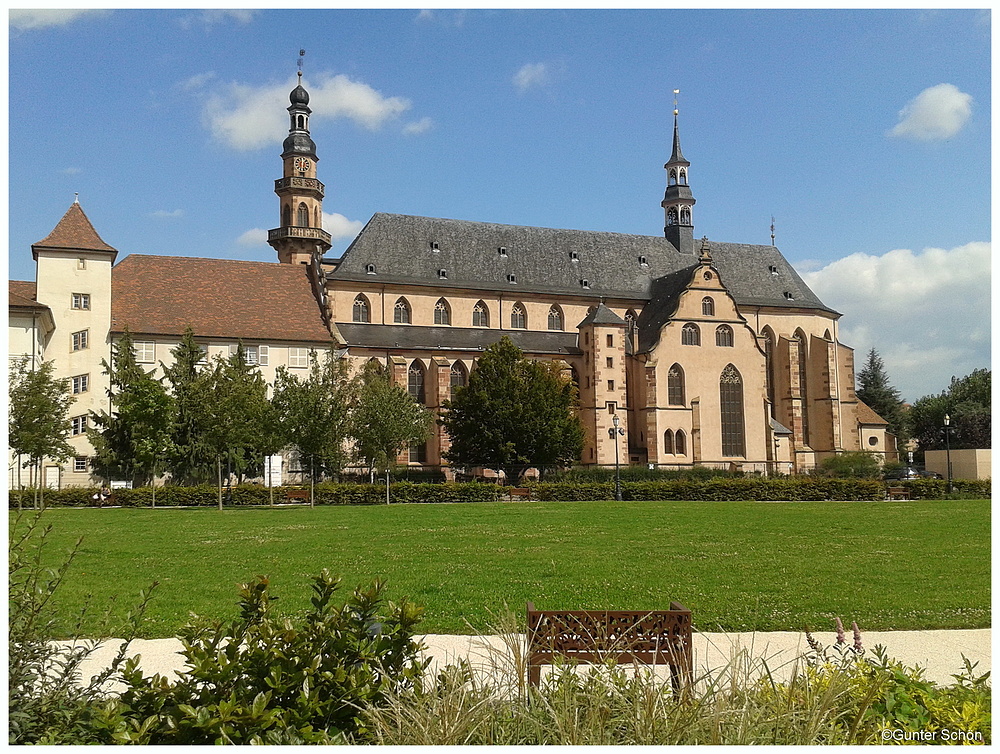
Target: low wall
{"points": [[965, 464]]}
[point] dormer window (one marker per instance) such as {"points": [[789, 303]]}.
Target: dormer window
{"points": [[789, 296], [584, 283], [443, 274], [642, 261], [772, 269], [502, 251], [574, 256], [512, 278], [435, 246], [369, 269]]}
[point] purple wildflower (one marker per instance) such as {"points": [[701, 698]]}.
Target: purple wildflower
{"points": [[857, 637], [840, 633]]}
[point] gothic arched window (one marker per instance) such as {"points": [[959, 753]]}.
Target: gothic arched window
{"points": [[418, 453], [731, 410], [680, 444], [724, 336], [442, 313], [302, 216], [690, 335], [675, 386], [480, 315], [518, 318], [362, 310], [672, 177], [672, 216], [668, 442], [415, 382], [769, 362], [685, 216], [286, 216], [555, 318], [401, 312], [803, 386], [708, 306], [683, 177], [459, 378]]}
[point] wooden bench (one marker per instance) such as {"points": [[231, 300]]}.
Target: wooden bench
{"points": [[291, 495], [524, 492], [652, 637], [897, 493]]}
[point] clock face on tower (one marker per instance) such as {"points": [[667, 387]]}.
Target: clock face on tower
{"points": [[302, 164]]}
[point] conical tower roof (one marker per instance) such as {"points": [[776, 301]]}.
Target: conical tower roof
{"points": [[74, 231]]}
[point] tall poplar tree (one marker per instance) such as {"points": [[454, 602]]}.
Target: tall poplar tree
{"points": [[192, 460]]}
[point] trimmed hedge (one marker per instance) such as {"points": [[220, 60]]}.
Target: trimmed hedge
{"points": [[719, 488]]}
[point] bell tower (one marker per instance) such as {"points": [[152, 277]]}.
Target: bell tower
{"points": [[677, 199], [300, 238]]}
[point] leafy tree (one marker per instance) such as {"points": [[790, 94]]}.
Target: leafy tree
{"points": [[859, 465], [37, 420], [385, 420], [875, 389], [133, 439], [313, 413], [242, 429], [513, 415], [191, 460], [967, 403]]}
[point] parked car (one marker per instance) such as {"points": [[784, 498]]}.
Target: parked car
{"points": [[910, 472]]}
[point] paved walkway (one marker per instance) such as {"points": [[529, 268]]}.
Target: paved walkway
{"points": [[938, 652]]}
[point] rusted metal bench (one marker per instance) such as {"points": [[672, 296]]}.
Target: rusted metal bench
{"points": [[302, 495], [897, 493], [651, 637], [524, 492]]}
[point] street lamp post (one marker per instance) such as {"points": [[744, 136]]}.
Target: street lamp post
{"points": [[947, 448], [613, 432]]}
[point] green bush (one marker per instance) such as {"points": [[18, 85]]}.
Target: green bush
{"points": [[262, 679], [859, 465], [636, 474], [719, 488]]}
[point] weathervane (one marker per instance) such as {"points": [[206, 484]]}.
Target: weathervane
{"points": [[676, 92], [302, 54], [772, 230]]}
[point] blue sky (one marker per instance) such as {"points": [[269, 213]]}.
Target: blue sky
{"points": [[866, 134]]}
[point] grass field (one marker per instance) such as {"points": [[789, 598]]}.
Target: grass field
{"points": [[738, 566]]}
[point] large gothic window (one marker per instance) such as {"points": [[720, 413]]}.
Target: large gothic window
{"points": [[415, 382], [459, 378], [680, 443], [480, 315], [708, 307], [690, 335], [518, 318], [724, 336], [803, 386], [731, 407], [769, 360], [401, 312], [302, 216], [442, 313], [675, 386], [555, 318], [362, 311]]}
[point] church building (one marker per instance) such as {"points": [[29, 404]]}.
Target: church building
{"points": [[704, 352]]}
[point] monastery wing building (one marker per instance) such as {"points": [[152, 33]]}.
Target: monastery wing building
{"points": [[707, 352]]}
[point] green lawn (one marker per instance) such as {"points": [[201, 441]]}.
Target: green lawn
{"points": [[738, 566]]}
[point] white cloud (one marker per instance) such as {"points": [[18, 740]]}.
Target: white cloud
{"points": [[418, 127], [937, 113], [247, 117], [196, 82], [531, 75], [39, 18], [71, 171], [926, 313], [167, 214], [253, 237], [339, 227], [210, 18]]}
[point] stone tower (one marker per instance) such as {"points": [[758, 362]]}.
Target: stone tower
{"points": [[300, 237], [677, 199]]}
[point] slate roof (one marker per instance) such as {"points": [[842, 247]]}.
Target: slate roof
{"points": [[74, 231], [602, 315], [549, 260], [410, 337], [255, 301], [866, 414]]}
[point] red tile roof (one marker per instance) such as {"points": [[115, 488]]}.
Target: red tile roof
{"points": [[21, 294], [74, 231], [867, 415], [156, 295]]}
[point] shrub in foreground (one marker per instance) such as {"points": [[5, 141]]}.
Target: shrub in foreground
{"points": [[264, 679]]}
